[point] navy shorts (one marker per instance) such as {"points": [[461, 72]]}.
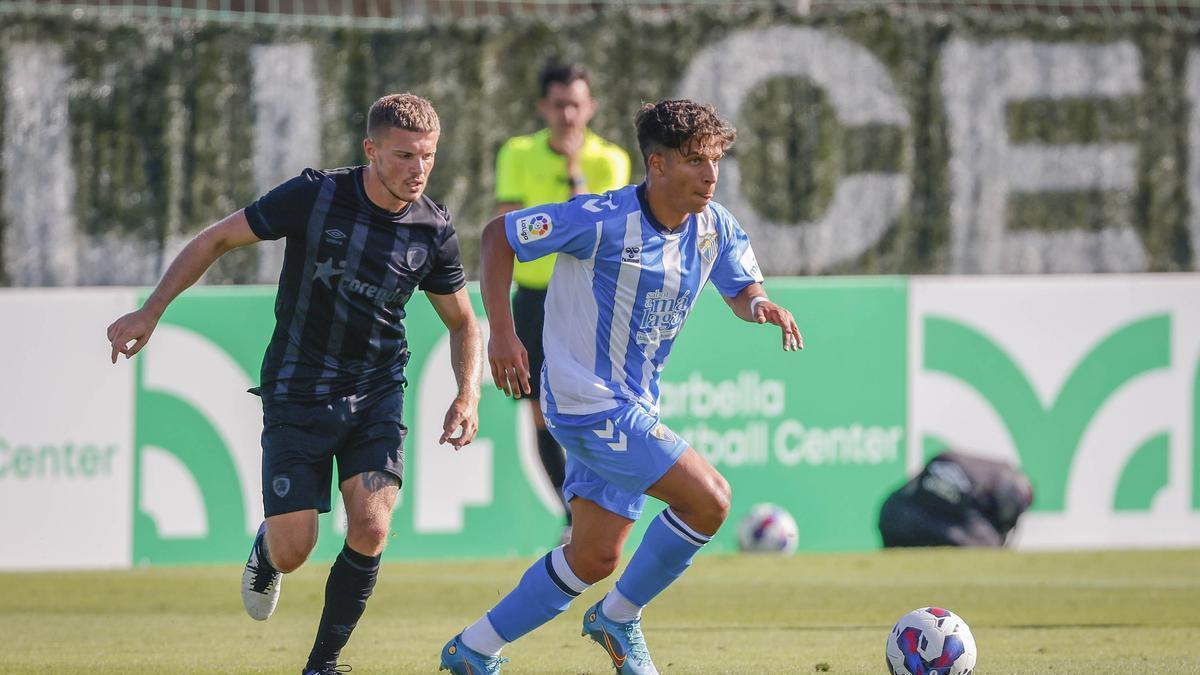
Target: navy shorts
{"points": [[301, 440]]}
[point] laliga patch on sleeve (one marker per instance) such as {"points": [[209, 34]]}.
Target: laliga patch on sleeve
{"points": [[533, 227], [750, 264]]}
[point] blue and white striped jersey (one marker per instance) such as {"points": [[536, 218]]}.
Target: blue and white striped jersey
{"points": [[622, 291]]}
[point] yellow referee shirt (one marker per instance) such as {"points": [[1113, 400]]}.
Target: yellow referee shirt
{"points": [[529, 173]]}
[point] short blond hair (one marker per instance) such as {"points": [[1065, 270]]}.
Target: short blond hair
{"points": [[402, 111]]}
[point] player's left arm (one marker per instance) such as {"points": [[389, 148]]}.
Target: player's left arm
{"points": [[753, 305], [737, 276], [466, 357]]}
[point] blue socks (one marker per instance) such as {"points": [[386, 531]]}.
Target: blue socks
{"points": [[549, 585], [545, 591], [666, 551]]}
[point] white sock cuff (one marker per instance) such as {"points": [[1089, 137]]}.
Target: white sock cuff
{"points": [[558, 564], [676, 524], [620, 608], [483, 638]]}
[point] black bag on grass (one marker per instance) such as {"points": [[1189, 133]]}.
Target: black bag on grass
{"points": [[957, 500]]}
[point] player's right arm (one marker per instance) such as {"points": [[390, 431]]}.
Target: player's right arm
{"points": [[526, 234], [506, 355], [192, 262]]}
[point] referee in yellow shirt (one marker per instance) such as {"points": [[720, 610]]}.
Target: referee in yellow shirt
{"points": [[563, 160]]}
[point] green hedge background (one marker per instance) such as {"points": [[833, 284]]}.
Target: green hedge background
{"points": [[144, 93]]}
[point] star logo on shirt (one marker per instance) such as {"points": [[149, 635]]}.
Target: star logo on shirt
{"points": [[326, 271]]}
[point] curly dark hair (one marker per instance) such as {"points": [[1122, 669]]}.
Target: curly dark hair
{"points": [[684, 126]]}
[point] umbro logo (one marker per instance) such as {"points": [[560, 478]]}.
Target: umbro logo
{"points": [[334, 236]]}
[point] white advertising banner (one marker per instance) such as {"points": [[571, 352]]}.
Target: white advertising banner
{"points": [[1088, 383], [66, 432]]}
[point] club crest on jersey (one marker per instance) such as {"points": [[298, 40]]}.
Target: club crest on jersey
{"points": [[661, 432], [533, 227], [707, 243], [415, 257], [632, 254]]}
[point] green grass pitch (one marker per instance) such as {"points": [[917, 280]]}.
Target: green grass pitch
{"points": [[1094, 613]]}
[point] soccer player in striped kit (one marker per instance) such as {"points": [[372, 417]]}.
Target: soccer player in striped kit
{"points": [[631, 263], [360, 241], [563, 160]]}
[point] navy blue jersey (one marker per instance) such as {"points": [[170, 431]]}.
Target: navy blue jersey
{"points": [[349, 267]]}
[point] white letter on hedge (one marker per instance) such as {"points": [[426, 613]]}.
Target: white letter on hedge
{"points": [[39, 178], [1192, 88], [860, 91], [287, 134], [978, 82]]}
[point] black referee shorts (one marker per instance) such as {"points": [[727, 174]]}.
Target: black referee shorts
{"points": [[529, 317]]}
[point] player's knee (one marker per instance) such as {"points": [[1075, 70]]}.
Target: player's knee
{"points": [[596, 566], [717, 500], [289, 556], [368, 538], [723, 498], [601, 568], [287, 562]]}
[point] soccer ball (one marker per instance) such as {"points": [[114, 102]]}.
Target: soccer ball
{"points": [[768, 528], [930, 641]]}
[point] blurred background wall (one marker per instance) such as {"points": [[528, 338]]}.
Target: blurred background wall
{"points": [[874, 137]]}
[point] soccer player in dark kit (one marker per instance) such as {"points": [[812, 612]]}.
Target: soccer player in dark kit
{"points": [[360, 241]]}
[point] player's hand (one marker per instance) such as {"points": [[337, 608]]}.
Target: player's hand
{"points": [[134, 327], [572, 150], [510, 364], [572, 144], [769, 312], [462, 418]]}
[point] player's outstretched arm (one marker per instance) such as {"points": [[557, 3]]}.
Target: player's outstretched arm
{"points": [[195, 258], [752, 304], [466, 346], [506, 355]]}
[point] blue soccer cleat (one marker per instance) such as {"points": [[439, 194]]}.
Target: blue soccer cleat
{"points": [[624, 642], [460, 659]]}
